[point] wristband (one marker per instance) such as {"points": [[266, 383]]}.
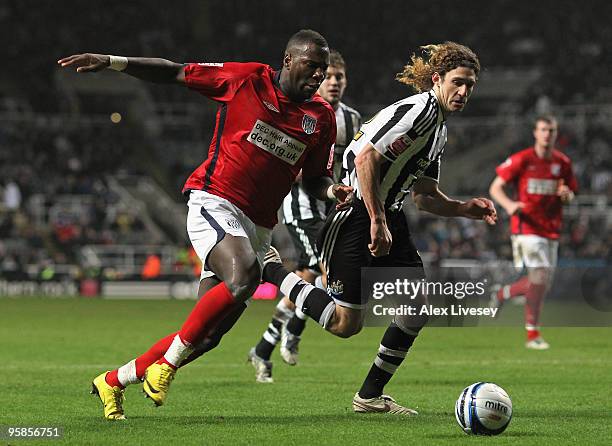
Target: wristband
{"points": [[118, 63], [330, 192]]}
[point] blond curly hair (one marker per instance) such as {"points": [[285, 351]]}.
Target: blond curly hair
{"points": [[440, 58]]}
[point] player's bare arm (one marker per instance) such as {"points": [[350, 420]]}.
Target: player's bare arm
{"points": [[367, 164], [428, 197], [322, 188], [145, 68], [498, 193]]}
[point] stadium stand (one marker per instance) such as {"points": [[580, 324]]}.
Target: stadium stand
{"points": [[78, 185]]}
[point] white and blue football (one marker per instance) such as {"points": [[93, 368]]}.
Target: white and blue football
{"points": [[483, 409]]}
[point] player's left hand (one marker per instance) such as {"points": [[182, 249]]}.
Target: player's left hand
{"points": [[344, 196], [564, 192], [86, 62], [480, 209]]}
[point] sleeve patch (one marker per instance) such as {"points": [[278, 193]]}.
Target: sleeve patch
{"points": [[400, 145]]}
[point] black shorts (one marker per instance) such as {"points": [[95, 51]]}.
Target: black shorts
{"points": [[304, 234], [343, 245]]}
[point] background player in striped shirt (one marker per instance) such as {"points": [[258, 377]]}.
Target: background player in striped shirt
{"points": [[304, 217], [395, 152], [270, 125], [544, 180]]}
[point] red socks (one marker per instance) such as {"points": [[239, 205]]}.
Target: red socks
{"points": [[518, 288], [153, 354], [208, 312], [112, 379], [534, 294], [143, 361], [533, 334], [211, 309], [533, 307], [203, 319]]}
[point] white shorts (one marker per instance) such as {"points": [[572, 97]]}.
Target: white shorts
{"points": [[534, 251], [211, 217]]}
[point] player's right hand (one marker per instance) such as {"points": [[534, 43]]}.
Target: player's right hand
{"points": [[86, 62], [564, 192], [515, 207], [381, 239], [344, 196]]}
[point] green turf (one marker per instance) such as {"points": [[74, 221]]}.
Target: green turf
{"points": [[51, 349]]}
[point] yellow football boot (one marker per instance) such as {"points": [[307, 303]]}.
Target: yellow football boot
{"points": [[111, 397], [157, 381]]}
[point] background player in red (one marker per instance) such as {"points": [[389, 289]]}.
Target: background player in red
{"points": [[269, 126], [544, 181]]}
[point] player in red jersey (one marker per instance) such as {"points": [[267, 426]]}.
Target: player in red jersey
{"points": [[269, 126], [544, 181]]}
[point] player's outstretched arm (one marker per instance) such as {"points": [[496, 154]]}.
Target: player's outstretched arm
{"points": [[428, 197], [148, 69]]}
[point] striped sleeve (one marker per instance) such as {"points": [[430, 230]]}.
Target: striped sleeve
{"points": [[433, 170], [406, 123]]}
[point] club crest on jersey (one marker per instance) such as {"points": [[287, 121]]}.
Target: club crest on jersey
{"points": [[232, 223], [335, 289], [309, 124], [555, 169]]}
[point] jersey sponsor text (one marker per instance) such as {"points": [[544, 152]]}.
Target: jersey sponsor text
{"points": [[542, 187], [276, 142]]}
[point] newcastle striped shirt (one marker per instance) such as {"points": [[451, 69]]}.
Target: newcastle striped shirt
{"points": [[411, 135]]}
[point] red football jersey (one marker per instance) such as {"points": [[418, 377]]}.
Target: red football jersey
{"points": [[536, 180], [262, 140]]}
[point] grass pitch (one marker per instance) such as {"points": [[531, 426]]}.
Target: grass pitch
{"points": [[52, 349]]}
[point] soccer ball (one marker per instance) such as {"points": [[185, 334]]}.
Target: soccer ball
{"points": [[483, 409]]}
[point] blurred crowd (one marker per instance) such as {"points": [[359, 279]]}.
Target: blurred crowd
{"points": [[504, 34], [584, 238], [55, 196], [54, 190]]}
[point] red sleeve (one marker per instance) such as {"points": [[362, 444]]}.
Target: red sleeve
{"points": [[510, 169], [569, 177], [318, 162], [219, 81]]}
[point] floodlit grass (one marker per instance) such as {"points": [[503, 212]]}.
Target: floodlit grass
{"points": [[51, 350]]}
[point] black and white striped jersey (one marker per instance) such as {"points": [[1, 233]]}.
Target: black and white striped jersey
{"points": [[348, 122], [411, 135], [298, 205]]}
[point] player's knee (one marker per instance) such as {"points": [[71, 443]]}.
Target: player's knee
{"points": [[307, 274], [352, 330], [347, 331], [539, 276], [244, 280], [345, 327]]}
